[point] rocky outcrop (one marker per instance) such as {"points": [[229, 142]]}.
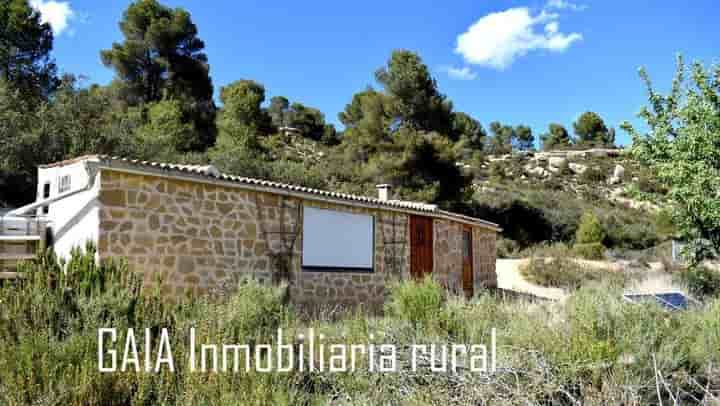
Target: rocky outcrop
{"points": [[617, 176]]}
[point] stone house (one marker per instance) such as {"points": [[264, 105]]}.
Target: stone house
{"points": [[192, 228]]}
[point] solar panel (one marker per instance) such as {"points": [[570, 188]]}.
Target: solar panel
{"points": [[669, 300], [676, 300]]}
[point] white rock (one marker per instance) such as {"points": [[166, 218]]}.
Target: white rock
{"points": [[577, 168], [617, 175], [539, 171], [557, 162]]}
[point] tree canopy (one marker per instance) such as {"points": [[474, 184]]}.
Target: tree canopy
{"points": [[162, 58], [590, 129], [556, 137], [416, 100], [682, 147], [25, 46]]}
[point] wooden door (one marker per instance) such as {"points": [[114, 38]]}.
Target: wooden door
{"points": [[421, 246], [467, 280]]}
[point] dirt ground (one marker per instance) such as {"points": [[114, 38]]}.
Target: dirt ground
{"points": [[652, 281]]}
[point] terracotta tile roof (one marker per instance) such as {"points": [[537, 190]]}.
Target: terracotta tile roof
{"points": [[211, 172]]}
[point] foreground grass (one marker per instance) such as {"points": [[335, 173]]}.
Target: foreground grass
{"points": [[593, 349]]}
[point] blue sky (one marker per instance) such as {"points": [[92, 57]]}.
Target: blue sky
{"points": [[520, 62]]}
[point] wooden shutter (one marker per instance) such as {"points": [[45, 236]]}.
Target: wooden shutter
{"points": [[421, 246], [467, 281]]}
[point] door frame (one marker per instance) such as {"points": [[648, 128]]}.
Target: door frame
{"points": [[468, 258], [422, 258]]}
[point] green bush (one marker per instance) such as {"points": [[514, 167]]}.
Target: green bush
{"points": [[594, 251], [701, 281], [590, 230], [419, 302], [593, 175], [566, 273], [506, 248]]}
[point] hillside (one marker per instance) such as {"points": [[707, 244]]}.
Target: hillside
{"points": [[537, 197]]}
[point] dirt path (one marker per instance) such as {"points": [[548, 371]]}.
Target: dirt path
{"points": [[654, 280]]}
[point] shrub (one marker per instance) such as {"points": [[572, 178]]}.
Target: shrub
{"points": [[590, 230], [701, 281], [593, 175], [565, 273], [419, 302], [593, 250], [506, 248], [497, 170], [255, 311]]}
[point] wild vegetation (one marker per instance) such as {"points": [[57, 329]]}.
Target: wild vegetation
{"points": [[160, 107], [593, 348], [607, 351]]}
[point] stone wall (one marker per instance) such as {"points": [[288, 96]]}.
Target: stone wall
{"points": [[484, 257], [447, 254], [368, 289], [190, 236]]}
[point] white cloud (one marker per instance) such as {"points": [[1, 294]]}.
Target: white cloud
{"points": [[564, 4], [464, 73], [497, 39], [552, 28], [57, 13]]}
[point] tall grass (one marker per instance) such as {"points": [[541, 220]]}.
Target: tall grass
{"points": [[594, 348]]}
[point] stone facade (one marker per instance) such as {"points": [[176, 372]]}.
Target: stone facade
{"points": [[184, 235], [447, 254], [484, 256]]}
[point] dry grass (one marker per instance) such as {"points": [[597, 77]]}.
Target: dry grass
{"points": [[594, 348]]}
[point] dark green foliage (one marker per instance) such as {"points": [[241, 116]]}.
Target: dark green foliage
{"points": [[589, 237], [501, 140], [564, 272], [74, 122], [25, 45], [418, 302], [417, 102], [162, 58], [557, 137], [593, 251], [310, 121], [702, 282], [524, 138], [590, 130], [242, 114], [49, 329], [590, 230], [594, 174]]}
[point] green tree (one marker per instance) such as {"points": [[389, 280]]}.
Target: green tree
{"points": [[310, 121], [467, 128], [557, 137], [589, 230], [367, 121], [682, 147], [501, 140], [589, 237], [590, 129], [417, 102], [164, 132], [242, 106], [162, 58], [279, 111], [25, 46], [242, 121], [469, 135], [421, 166], [524, 139]]}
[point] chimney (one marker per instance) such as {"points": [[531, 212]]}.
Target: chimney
{"points": [[383, 192]]}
